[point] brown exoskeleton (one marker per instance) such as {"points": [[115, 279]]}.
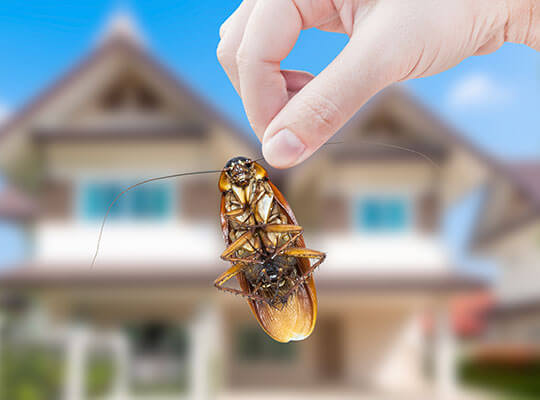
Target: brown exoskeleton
{"points": [[266, 247]]}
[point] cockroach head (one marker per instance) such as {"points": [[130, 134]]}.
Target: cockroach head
{"points": [[240, 170]]}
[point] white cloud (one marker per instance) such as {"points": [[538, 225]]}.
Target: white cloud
{"points": [[478, 91]]}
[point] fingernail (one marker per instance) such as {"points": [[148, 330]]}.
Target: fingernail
{"points": [[283, 149]]}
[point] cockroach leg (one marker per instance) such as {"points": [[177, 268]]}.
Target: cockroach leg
{"points": [[248, 260], [237, 244], [256, 288], [283, 228], [304, 253], [235, 212], [230, 273], [242, 293], [291, 240], [257, 250]]}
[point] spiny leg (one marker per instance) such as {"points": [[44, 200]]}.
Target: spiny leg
{"points": [[294, 231], [300, 252], [230, 273], [227, 275], [242, 293], [234, 213], [230, 215], [227, 255], [283, 228], [257, 250]]}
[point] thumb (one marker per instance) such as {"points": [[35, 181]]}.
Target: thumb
{"points": [[325, 103]]}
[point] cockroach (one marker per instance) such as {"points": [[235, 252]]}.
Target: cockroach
{"points": [[268, 253], [266, 248]]}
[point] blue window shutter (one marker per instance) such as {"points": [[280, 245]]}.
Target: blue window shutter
{"points": [[372, 214], [91, 201], [396, 218], [161, 201], [110, 191], [139, 207]]}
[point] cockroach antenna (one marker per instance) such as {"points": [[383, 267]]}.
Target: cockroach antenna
{"points": [[391, 146], [133, 187]]}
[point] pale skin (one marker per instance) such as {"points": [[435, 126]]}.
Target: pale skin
{"points": [[294, 113]]}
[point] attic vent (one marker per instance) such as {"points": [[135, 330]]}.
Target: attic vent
{"points": [[128, 94], [384, 125], [147, 99]]}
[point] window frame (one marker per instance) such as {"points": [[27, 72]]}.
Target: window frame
{"points": [[124, 180], [408, 195]]}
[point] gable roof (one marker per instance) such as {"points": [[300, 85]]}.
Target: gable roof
{"points": [[404, 103], [523, 178], [528, 173], [118, 44], [398, 98], [467, 164]]}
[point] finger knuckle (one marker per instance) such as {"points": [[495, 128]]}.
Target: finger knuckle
{"points": [[243, 57], [222, 29], [225, 55], [323, 112]]}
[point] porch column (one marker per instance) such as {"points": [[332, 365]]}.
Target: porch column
{"points": [[77, 340], [205, 331], [445, 355], [120, 351], [400, 369]]}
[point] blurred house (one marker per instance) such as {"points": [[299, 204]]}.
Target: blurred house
{"points": [[509, 231], [148, 305]]}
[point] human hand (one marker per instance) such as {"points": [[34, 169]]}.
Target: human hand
{"points": [[293, 113]]}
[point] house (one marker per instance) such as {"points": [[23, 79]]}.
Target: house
{"points": [[148, 305], [509, 231]]}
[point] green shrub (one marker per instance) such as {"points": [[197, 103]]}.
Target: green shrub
{"points": [[37, 373], [512, 380], [99, 376], [29, 373]]}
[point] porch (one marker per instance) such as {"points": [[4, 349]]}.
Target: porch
{"points": [[216, 367]]}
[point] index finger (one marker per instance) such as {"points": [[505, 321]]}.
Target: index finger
{"points": [[271, 32]]}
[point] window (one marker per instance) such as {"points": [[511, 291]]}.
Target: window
{"points": [[159, 358], [382, 213], [252, 344], [149, 202], [156, 337]]}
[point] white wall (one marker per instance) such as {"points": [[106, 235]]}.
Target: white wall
{"points": [[519, 256], [168, 243]]}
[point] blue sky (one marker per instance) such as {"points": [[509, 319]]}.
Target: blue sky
{"points": [[494, 99]]}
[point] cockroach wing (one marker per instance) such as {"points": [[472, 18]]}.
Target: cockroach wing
{"points": [[294, 320], [304, 263]]}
